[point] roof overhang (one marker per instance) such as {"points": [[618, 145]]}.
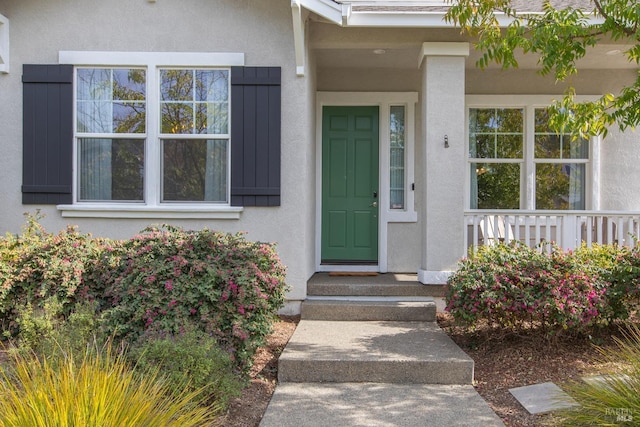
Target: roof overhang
{"points": [[379, 14]]}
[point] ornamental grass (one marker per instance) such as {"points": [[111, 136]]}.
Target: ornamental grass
{"points": [[100, 389], [614, 400]]}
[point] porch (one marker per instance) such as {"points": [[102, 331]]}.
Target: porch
{"points": [[567, 229]]}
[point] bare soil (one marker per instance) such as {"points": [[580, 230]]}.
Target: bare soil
{"points": [[500, 364], [247, 410], [504, 362]]}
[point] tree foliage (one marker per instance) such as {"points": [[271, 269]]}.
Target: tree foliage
{"points": [[560, 37]]}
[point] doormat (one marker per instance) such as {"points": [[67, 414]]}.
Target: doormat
{"points": [[353, 273]]}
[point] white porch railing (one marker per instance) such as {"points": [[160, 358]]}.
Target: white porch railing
{"points": [[568, 229]]}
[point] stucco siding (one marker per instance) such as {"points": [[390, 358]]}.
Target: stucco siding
{"points": [[261, 29]]}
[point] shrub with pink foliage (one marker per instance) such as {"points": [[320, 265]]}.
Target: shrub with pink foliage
{"points": [[518, 287], [166, 279]]}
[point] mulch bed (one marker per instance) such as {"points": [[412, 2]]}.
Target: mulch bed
{"points": [[500, 364]]}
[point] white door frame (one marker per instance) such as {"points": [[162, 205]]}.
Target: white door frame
{"points": [[384, 100]]}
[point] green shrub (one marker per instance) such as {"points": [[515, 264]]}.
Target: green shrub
{"points": [[167, 279], [39, 269], [625, 283], [100, 390], [614, 400], [608, 262], [75, 334], [515, 286], [164, 279], [190, 360]]}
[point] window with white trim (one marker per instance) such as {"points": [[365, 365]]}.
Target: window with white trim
{"points": [[517, 162], [114, 140], [151, 135]]}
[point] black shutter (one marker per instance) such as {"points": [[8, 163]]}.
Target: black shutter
{"points": [[47, 134], [255, 136]]}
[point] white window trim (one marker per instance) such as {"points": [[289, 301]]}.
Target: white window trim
{"points": [[527, 173], [151, 208], [384, 100], [4, 44]]}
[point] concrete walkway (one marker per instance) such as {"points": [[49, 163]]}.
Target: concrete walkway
{"points": [[368, 352], [375, 374]]}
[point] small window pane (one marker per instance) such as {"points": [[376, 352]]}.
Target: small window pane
{"points": [[129, 84], [176, 85], [509, 146], [575, 149], [542, 120], [509, 120], [482, 146], [129, 117], [495, 185], [95, 117], [177, 118], [94, 84], [212, 118], [397, 158], [195, 170], [212, 85], [560, 186], [548, 146], [111, 169]]}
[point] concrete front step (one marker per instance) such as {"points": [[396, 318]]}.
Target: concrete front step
{"points": [[349, 308], [383, 352], [388, 284]]}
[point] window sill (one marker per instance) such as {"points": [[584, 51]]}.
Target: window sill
{"points": [[401, 216], [150, 212]]}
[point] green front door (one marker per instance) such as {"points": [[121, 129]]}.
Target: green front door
{"points": [[349, 185]]}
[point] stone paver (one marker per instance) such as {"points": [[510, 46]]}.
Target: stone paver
{"points": [[543, 398]]}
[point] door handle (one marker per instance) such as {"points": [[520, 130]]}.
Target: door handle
{"points": [[373, 205]]}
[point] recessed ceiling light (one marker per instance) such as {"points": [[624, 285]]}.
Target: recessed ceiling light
{"points": [[379, 51]]}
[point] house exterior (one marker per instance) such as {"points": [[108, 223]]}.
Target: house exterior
{"points": [[358, 135]]}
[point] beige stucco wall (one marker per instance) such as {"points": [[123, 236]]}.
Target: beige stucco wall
{"points": [[261, 29]]}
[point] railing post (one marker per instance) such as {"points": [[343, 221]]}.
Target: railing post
{"points": [[569, 232]]}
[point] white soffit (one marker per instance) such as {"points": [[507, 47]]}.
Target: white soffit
{"points": [[4, 44], [392, 13]]}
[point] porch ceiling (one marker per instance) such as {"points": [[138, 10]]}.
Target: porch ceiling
{"points": [[606, 56]]}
